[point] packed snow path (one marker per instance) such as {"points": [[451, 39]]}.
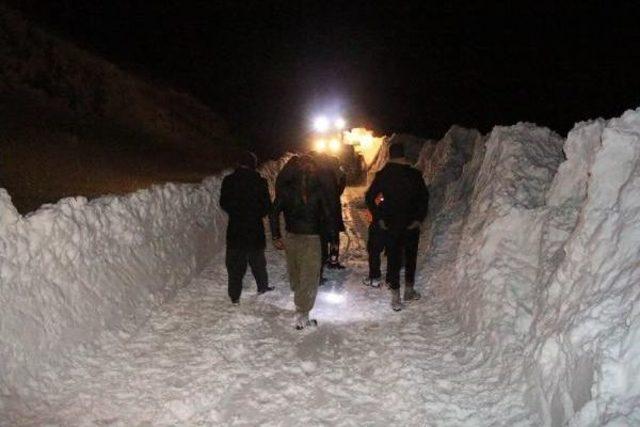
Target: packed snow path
{"points": [[201, 361]]}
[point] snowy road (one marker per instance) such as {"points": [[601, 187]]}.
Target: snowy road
{"points": [[200, 361]]}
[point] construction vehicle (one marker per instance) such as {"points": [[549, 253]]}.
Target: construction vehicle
{"points": [[329, 138]]}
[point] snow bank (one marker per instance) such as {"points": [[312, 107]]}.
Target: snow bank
{"points": [[586, 331], [538, 255], [73, 270]]}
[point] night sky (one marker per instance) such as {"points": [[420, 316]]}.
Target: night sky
{"points": [[415, 67]]}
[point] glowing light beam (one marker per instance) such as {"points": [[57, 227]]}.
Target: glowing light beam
{"points": [[320, 124]]}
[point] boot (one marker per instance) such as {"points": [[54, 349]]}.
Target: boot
{"points": [[396, 305], [410, 294]]}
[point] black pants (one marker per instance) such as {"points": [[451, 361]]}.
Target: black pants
{"points": [[375, 246], [325, 243], [399, 245], [237, 260]]}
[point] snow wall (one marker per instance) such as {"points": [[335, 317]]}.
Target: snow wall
{"points": [[533, 242], [74, 270]]}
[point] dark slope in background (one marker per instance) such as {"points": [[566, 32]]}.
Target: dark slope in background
{"points": [[74, 124], [409, 66]]}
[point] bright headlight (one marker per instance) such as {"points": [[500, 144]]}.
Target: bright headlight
{"points": [[320, 124], [334, 145], [320, 145]]}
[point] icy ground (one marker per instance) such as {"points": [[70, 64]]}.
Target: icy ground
{"points": [[200, 361]]}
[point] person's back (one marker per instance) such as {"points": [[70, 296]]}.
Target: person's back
{"points": [[287, 175], [302, 206], [332, 182], [402, 190], [244, 195], [307, 215], [404, 202]]}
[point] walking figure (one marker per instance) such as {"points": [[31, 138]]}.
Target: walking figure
{"points": [[245, 197], [375, 246], [403, 207], [307, 214]]}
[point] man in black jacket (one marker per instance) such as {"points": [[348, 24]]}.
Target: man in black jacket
{"points": [[245, 197], [288, 174], [307, 214], [375, 247], [404, 204], [333, 181]]}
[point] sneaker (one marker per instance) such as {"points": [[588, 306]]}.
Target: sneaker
{"points": [[374, 283], [235, 302], [265, 289]]}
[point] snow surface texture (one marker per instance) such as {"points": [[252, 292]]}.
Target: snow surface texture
{"points": [[75, 269], [538, 256], [201, 361]]}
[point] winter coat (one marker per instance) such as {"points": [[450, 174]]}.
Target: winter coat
{"points": [[333, 182], [312, 216], [287, 175], [405, 197], [245, 197]]}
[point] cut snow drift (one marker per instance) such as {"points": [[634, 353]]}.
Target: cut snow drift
{"points": [[73, 270], [538, 255]]}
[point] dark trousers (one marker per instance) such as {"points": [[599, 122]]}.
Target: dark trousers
{"points": [[399, 245], [237, 260], [324, 248], [375, 246]]}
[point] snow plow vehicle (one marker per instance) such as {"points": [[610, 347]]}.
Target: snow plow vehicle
{"points": [[329, 138]]}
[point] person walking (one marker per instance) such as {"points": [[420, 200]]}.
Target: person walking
{"points": [[404, 203], [244, 196], [375, 246], [332, 181], [287, 174], [307, 214]]}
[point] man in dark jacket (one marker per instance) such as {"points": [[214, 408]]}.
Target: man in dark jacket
{"points": [[306, 213], [375, 247], [333, 181], [405, 200], [288, 174], [245, 197]]}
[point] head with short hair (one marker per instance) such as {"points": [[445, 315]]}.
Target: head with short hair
{"points": [[396, 150], [248, 160]]}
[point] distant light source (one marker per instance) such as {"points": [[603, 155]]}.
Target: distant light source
{"points": [[321, 124], [339, 123], [320, 145], [334, 145]]}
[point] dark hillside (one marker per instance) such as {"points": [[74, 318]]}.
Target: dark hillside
{"points": [[74, 124]]}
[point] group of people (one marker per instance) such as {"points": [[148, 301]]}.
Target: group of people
{"points": [[307, 194]]}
